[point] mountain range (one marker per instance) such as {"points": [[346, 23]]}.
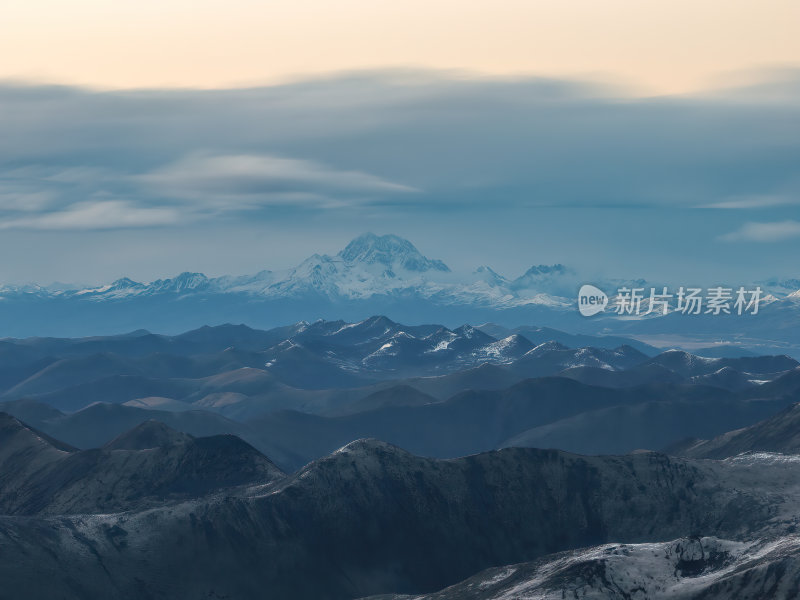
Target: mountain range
{"points": [[370, 265], [298, 392], [336, 460], [371, 274], [381, 275], [371, 518]]}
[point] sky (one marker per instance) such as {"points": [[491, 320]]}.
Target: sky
{"points": [[658, 46], [657, 140]]}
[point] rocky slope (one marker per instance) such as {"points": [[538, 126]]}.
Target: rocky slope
{"points": [[144, 467], [373, 519], [780, 434], [705, 568]]}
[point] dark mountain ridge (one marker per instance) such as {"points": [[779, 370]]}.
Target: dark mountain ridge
{"points": [[371, 518], [143, 467], [779, 433]]}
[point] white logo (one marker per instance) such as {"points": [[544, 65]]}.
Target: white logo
{"points": [[591, 300]]}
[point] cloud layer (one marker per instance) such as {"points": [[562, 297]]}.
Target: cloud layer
{"points": [[251, 181], [196, 187], [72, 158], [765, 232]]}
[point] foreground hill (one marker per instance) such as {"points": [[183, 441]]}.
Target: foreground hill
{"points": [[372, 519], [780, 433], [145, 466], [707, 568]]}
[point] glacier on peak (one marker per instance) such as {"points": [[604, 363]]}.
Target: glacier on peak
{"points": [[389, 250]]}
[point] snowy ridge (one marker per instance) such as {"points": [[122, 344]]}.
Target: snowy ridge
{"points": [[706, 567], [371, 274], [368, 266]]}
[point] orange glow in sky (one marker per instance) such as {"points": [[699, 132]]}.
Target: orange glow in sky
{"points": [[659, 46]]}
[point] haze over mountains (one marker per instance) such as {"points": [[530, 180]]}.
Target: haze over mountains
{"points": [[299, 392], [379, 275]]}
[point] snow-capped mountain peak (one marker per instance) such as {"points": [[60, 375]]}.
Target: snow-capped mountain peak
{"points": [[490, 277], [549, 277], [125, 283], [184, 282], [537, 270], [391, 251]]}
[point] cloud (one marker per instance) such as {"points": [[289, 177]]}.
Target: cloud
{"points": [[417, 144], [33, 191], [764, 232], [196, 187], [752, 202], [105, 214], [247, 181], [26, 200]]}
